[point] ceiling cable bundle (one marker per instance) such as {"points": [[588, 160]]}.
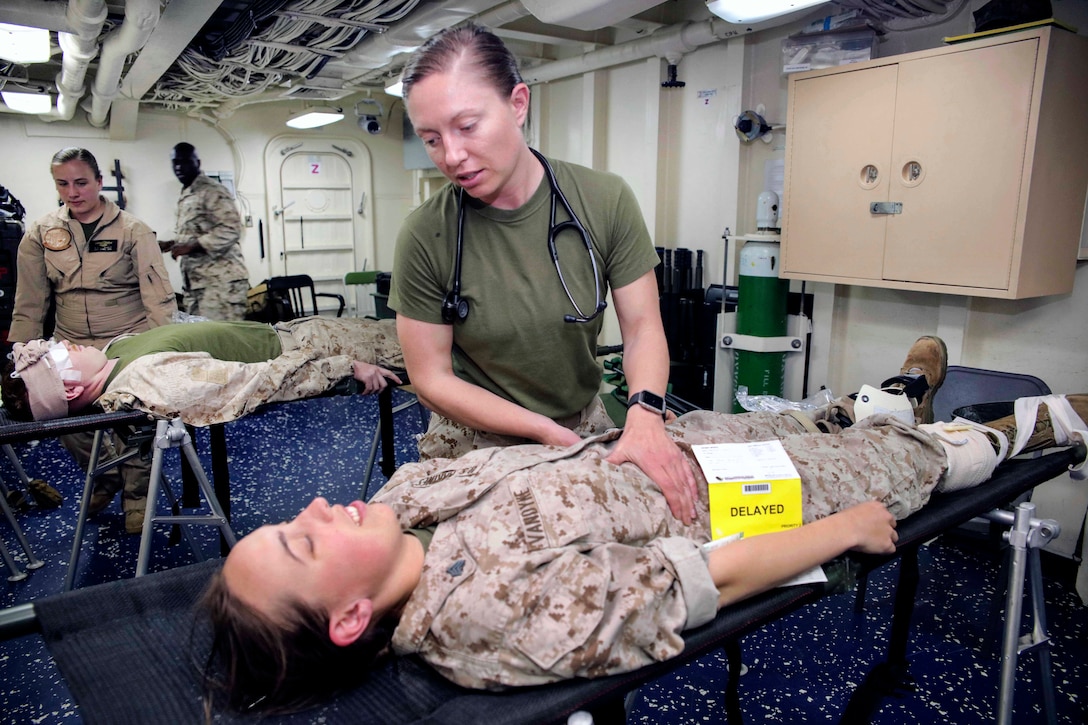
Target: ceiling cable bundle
{"points": [[270, 43]]}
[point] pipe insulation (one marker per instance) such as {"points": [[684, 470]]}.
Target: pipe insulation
{"points": [[79, 47], [670, 43], [141, 17]]}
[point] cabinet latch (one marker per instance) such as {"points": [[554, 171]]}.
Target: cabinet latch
{"points": [[886, 207]]}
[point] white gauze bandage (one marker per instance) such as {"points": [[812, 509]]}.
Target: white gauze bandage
{"points": [[970, 452], [44, 366], [1068, 427]]}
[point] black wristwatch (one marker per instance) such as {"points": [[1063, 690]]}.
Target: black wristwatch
{"points": [[648, 400]]}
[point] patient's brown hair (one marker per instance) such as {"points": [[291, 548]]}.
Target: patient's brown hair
{"points": [[14, 395], [264, 665]]}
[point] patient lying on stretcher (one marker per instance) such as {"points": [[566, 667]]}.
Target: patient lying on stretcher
{"points": [[205, 372], [530, 564]]}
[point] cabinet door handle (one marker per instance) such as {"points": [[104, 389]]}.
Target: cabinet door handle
{"points": [[869, 176], [886, 207]]}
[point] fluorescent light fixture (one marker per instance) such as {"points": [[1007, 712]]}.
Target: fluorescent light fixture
{"points": [[315, 117], [396, 88], [27, 102], [753, 11], [21, 44]]}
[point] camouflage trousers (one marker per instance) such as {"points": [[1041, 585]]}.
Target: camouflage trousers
{"points": [[317, 353], [879, 458], [373, 341], [448, 439], [224, 301]]}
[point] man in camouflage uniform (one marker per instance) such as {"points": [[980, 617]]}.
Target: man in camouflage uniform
{"points": [[208, 231]]}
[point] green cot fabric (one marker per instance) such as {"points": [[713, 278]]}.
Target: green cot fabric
{"points": [[247, 342], [515, 341]]}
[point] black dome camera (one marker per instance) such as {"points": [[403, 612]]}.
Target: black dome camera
{"points": [[370, 124]]}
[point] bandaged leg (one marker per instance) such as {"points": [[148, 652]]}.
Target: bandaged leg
{"points": [[1046, 421], [973, 452]]}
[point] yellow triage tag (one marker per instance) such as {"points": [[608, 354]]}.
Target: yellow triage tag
{"points": [[754, 488]]}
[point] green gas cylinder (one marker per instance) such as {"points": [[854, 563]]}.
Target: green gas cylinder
{"points": [[761, 311]]}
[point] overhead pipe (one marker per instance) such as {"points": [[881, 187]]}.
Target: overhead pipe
{"points": [[500, 15], [36, 14], [670, 43], [79, 47], [141, 17]]}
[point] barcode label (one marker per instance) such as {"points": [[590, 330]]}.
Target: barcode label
{"points": [[756, 488]]}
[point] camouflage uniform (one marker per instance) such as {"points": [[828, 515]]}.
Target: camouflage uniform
{"points": [[446, 438], [112, 284], [216, 279], [572, 567], [317, 353]]}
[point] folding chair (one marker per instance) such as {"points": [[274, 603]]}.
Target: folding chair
{"points": [[299, 290], [970, 386]]}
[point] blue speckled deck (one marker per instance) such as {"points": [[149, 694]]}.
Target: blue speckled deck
{"points": [[801, 669]]}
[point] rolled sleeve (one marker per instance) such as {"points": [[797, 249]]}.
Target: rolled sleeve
{"points": [[693, 575]]}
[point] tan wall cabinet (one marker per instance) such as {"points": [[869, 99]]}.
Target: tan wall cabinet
{"points": [[961, 169]]}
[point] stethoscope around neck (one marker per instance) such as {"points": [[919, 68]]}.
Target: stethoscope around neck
{"points": [[455, 307]]}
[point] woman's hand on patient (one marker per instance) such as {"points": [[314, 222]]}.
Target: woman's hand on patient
{"points": [[645, 443], [373, 377]]}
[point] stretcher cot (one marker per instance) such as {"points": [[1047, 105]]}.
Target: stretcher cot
{"points": [[145, 628], [12, 432], [138, 429]]}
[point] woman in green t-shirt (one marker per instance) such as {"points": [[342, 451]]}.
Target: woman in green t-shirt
{"points": [[499, 278]]}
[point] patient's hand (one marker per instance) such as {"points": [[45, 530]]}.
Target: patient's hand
{"points": [[373, 378], [872, 525]]}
